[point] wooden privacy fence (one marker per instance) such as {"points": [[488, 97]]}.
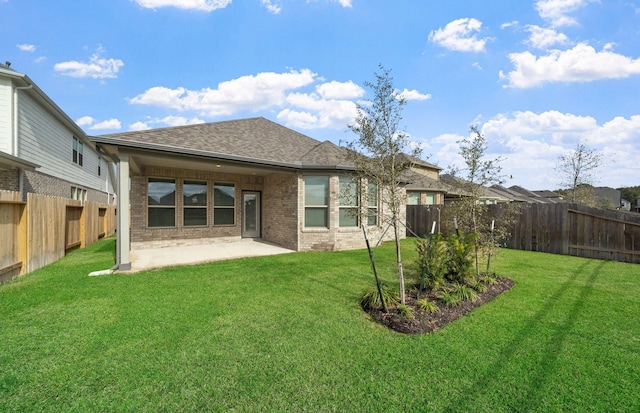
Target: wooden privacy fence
{"points": [[566, 229], [43, 229]]}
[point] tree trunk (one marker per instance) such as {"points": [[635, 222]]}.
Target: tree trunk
{"points": [[399, 257]]}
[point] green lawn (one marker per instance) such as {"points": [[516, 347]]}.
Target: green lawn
{"points": [[285, 333]]}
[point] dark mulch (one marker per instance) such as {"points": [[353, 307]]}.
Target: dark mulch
{"points": [[424, 322]]}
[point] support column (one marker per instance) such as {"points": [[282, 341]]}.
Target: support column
{"points": [[123, 244]]}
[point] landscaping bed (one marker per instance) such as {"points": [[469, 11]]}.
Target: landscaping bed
{"points": [[427, 322]]}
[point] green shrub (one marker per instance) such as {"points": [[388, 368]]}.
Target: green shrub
{"points": [[488, 279], [432, 255], [448, 298], [428, 306], [405, 311], [479, 286], [461, 249], [464, 292], [446, 260], [370, 299]]}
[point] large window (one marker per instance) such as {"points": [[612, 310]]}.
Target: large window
{"points": [[194, 203], [161, 201], [77, 153], [224, 204], [372, 203], [413, 198], [349, 196], [316, 201]]}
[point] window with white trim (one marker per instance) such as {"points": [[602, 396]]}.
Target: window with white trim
{"points": [[224, 204], [348, 201], [372, 203], [316, 201], [161, 202], [77, 153], [194, 203]]}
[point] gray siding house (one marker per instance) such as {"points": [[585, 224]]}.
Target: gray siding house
{"points": [[249, 178], [42, 150]]}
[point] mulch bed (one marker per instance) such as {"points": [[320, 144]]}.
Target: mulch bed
{"points": [[424, 322]]}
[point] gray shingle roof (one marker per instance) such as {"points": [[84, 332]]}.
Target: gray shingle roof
{"points": [[254, 139]]}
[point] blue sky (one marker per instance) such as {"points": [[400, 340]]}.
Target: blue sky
{"points": [[536, 76]]}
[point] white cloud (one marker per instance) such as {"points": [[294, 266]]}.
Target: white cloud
{"points": [[340, 90], [271, 6], [410, 95], [556, 12], [534, 141], [542, 38], [325, 113], [560, 127], [199, 5], [506, 25], [244, 93], [98, 67], [91, 123], [170, 120], [107, 124], [85, 121], [136, 126], [26, 47], [459, 35], [579, 64]]}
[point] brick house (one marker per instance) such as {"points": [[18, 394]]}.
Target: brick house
{"points": [[249, 178], [42, 150], [423, 182]]}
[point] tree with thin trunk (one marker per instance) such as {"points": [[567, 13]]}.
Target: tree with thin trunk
{"points": [[376, 151], [578, 168], [470, 182]]}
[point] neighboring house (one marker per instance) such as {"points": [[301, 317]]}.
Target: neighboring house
{"points": [[42, 150], [423, 182], [242, 178], [608, 198]]}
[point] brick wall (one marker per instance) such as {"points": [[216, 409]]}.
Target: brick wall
{"points": [[336, 237], [179, 234], [282, 213], [43, 184], [10, 180], [280, 210]]}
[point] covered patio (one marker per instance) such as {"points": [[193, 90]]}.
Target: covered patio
{"points": [[148, 256]]}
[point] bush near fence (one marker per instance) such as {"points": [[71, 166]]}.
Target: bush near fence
{"points": [[567, 229], [43, 229]]}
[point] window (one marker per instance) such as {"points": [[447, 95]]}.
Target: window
{"points": [[78, 194], [413, 198], [372, 203], [77, 151], [99, 166], [431, 199], [194, 203], [161, 202], [224, 204], [348, 196], [316, 201]]}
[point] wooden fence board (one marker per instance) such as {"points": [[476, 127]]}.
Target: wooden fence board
{"points": [[38, 232]]}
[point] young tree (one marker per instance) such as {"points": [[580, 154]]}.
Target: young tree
{"points": [[578, 168], [470, 183], [375, 151]]}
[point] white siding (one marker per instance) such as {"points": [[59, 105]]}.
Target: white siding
{"points": [[6, 112], [49, 143]]}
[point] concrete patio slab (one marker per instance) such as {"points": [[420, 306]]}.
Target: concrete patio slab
{"points": [[158, 257]]}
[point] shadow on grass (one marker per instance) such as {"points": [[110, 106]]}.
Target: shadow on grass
{"points": [[530, 399]]}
